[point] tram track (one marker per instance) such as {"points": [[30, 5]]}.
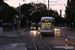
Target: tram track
{"points": [[40, 44]]}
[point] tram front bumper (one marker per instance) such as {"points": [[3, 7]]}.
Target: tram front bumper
{"points": [[47, 33]]}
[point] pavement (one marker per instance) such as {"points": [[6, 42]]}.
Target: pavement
{"points": [[14, 46], [14, 34], [71, 33], [64, 28]]}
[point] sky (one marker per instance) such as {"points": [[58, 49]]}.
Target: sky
{"points": [[53, 4]]}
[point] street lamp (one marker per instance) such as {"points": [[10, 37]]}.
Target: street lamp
{"points": [[17, 16], [48, 8], [19, 24], [49, 5]]}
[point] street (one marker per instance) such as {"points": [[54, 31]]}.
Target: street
{"points": [[57, 42], [37, 24]]}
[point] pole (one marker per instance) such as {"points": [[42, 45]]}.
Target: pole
{"points": [[14, 25], [48, 8], [19, 26], [66, 40], [60, 13], [72, 25]]}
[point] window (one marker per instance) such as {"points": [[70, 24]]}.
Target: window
{"points": [[46, 25]]}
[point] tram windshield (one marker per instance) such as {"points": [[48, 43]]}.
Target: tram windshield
{"points": [[46, 25], [32, 25]]}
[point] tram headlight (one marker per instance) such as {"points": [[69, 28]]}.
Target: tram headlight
{"points": [[34, 33], [58, 29], [31, 31], [34, 28], [39, 28], [31, 27], [55, 29]]}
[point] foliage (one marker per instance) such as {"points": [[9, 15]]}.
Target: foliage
{"points": [[70, 11], [7, 13], [31, 11], [34, 12], [1, 2]]}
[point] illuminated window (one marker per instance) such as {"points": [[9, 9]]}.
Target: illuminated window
{"points": [[45, 20], [33, 23], [46, 25]]}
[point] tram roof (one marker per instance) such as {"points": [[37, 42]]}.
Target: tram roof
{"points": [[46, 17]]}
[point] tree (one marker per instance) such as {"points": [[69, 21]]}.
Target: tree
{"points": [[1, 2], [70, 11], [34, 12], [26, 10], [39, 11], [8, 13]]}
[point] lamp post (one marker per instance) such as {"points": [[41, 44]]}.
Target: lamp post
{"points": [[48, 8], [19, 25], [27, 23]]}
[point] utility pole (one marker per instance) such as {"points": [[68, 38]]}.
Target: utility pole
{"points": [[60, 13], [48, 8], [14, 23], [19, 25]]}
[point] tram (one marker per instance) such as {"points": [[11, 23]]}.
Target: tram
{"points": [[47, 26], [39, 25], [33, 26]]}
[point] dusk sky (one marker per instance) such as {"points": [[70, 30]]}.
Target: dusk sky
{"points": [[53, 4]]}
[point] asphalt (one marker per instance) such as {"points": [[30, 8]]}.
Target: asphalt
{"points": [[13, 46]]}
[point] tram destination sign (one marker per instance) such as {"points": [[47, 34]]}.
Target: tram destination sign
{"points": [[45, 20]]}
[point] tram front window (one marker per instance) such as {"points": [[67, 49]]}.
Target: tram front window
{"points": [[46, 25], [32, 25]]}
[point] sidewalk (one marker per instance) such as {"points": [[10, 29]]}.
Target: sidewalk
{"points": [[14, 34], [64, 28], [69, 33], [14, 46]]}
